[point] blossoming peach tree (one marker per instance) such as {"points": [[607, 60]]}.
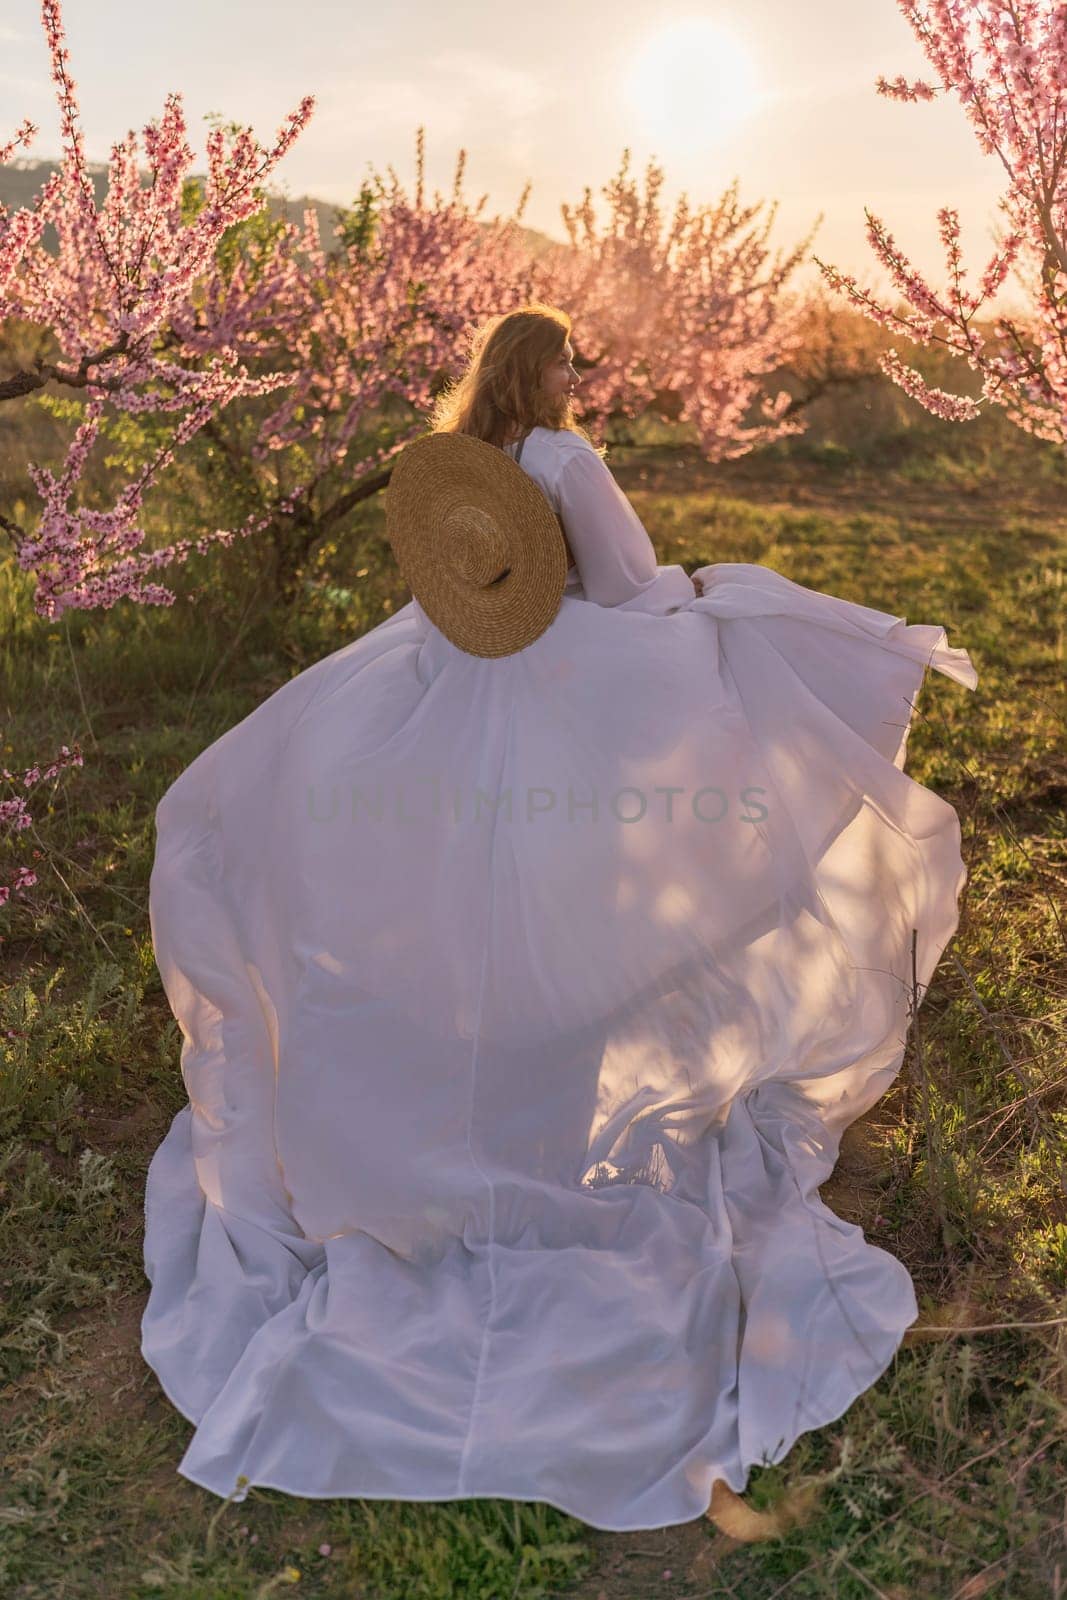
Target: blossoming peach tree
{"points": [[1006, 63], [680, 316], [110, 298]]}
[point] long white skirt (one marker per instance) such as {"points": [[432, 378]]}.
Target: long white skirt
{"points": [[524, 1002]]}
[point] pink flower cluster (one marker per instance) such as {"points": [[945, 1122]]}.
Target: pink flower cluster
{"points": [[14, 816], [955, 408], [1006, 63], [684, 311], [112, 297], [23, 135]]}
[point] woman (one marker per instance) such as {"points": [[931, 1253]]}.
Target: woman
{"points": [[499, 1173]]}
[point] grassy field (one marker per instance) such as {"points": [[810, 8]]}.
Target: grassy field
{"points": [[947, 1478]]}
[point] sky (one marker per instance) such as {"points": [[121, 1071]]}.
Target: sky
{"points": [[778, 94]]}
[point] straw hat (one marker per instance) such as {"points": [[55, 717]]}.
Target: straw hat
{"points": [[477, 542]]}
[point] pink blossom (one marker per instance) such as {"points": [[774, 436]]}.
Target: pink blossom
{"points": [[14, 815], [113, 296], [1006, 63], [687, 307]]}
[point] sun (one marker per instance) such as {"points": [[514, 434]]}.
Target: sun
{"points": [[690, 84]]}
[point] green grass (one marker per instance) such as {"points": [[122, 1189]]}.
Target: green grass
{"points": [[947, 1478]]}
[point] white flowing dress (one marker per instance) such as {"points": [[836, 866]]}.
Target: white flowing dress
{"points": [[524, 1002]]}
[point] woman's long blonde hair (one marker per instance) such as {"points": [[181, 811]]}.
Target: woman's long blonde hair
{"points": [[501, 389]]}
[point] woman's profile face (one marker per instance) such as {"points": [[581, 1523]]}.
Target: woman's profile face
{"points": [[559, 376]]}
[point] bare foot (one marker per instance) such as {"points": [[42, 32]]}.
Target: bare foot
{"points": [[733, 1516]]}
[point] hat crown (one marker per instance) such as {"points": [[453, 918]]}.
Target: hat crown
{"points": [[474, 546]]}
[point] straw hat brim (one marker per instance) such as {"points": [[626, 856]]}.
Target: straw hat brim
{"points": [[477, 542]]}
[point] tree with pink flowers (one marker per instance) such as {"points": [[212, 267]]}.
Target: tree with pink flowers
{"points": [[683, 317], [111, 298], [109, 301], [1006, 63]]}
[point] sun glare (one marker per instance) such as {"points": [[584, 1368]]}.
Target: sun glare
{"points": [[690, 84]]}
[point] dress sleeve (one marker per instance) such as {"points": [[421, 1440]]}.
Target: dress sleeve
{"points": [[614, 554]]}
